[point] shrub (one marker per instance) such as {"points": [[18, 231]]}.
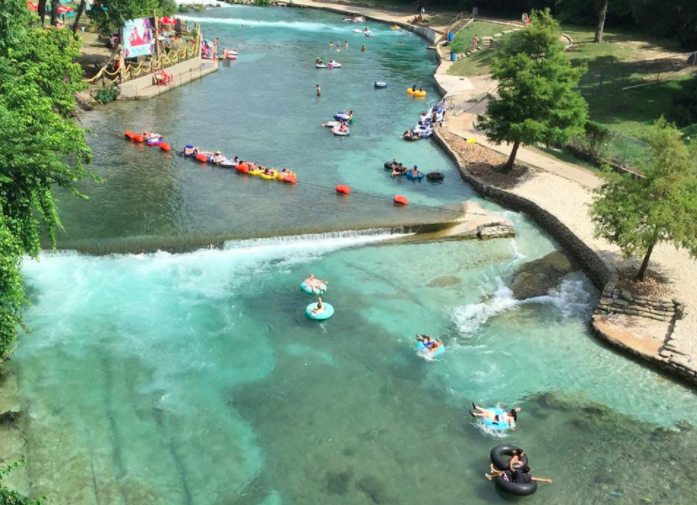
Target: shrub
{"points": [[684, 111], [107, 95]]}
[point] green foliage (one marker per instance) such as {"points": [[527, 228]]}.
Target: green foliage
{"points": [[684, 111], [262, 3], [538, 101], [119, 11], [638, 212], [42, 147], [9, 497], [108, 94], [597, 134]]}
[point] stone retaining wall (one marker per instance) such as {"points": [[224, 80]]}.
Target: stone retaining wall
{"points": [[604, 276], [593, 266]]}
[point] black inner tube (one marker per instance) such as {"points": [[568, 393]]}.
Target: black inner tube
{"points": [[388, 165], [498, 453], [516, 488], [435, 176]]}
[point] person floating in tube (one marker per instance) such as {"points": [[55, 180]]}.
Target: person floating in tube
{"points": [[320, 307], [510, 417], [519, 475]]}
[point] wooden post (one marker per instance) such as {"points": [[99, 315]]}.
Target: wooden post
{"points": [[122, 60], [157, 35]]}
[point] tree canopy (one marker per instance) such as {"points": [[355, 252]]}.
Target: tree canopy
{"points": [[636, 213], [42, 147], [110, 15], [538, 101]]}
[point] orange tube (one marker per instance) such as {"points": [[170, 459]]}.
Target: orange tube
{"points": [[165, 147], [344, 190], [202, 158], [129, 135], [401, 200], [137, 138]]}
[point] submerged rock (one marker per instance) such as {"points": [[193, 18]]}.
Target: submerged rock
{"points": [[374, 489], [538, 277], [443, 281]]}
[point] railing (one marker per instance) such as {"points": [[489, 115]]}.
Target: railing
{"points": [[133, 71]]}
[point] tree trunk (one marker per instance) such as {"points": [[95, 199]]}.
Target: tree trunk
{"points": [[54, 12], [601, 22], [645, 264], [511, 158], [80, 10], [42, 11]]}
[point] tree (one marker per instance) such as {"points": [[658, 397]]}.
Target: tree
{"points": [[636, 213], [80, 11], [112, 19], [9, 497], [42, 11], [602, 15], [54, 12], [538, 101], [42, 147]]}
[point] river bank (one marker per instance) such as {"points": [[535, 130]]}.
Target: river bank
{"points": [[673, 345], [195, 378]]}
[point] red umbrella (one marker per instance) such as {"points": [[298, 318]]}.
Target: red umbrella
{"points": [[63, 9], [32, 6]]}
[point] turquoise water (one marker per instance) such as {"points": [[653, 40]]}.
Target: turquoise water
{"points": [[263, 107], [196, 378]]}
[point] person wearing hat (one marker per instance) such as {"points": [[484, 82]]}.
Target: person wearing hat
{"points": [[190, 150], [218, 158], [415, 172], [318, 61]]}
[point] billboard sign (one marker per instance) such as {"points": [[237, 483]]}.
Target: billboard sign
{"points": [[138, 38]]}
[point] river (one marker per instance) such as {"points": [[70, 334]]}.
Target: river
{"points": [[195, 378]]}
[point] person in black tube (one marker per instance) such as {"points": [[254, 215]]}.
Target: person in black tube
{"points": [[519, 476], [514, 464]]}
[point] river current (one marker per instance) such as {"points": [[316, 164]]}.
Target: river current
{"points": [[195, 378]]}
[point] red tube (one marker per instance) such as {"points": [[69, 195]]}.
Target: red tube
{"points": [[165, 147], [401, 200], [202, 158], [344, 190]]}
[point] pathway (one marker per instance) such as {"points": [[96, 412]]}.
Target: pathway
{"points": [[565, 190]]}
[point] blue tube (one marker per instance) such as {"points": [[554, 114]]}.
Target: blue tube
{"points": [[312, 291], [328, 312], [420, 347], [498, 425]]}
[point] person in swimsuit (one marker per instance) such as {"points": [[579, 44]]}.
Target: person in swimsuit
{"points": [[510, 417], [435, 346], [514, 464], [363, 48], [520, 475], [320, 307]]}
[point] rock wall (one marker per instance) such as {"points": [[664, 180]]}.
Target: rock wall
{"points": [[604, 277], [593, 266]]}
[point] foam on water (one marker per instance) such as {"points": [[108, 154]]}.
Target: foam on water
{"points": [[571, 298], [303, 26]]}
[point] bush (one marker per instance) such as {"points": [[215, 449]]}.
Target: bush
{"points": [[684, 111], [262, 3], [597, 134], [107, 95]]}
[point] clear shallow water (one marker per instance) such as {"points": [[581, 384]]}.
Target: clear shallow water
{"points": [[263, 107], [196, 378]]}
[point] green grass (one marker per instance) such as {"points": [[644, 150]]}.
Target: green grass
{"points": [[479, 63]]}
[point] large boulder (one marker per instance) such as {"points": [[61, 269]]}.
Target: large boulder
{"points": [[537, 277]]}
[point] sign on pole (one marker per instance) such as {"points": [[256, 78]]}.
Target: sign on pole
{"points": [[138, 39]]}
